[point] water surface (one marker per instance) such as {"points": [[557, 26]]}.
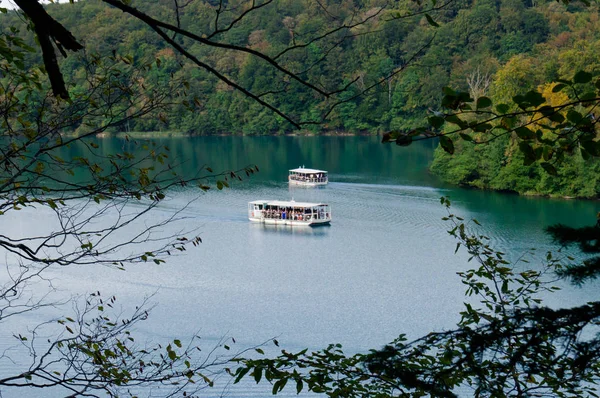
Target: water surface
{"points": [[385, 266]]}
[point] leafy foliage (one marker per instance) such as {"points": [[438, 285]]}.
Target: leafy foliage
{"points": [[587, 239], [390, 61], [540, 137], [505, 344], [89, 221]]}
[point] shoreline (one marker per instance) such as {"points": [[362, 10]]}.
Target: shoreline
{"points": [[532, 195], [177, 134]]}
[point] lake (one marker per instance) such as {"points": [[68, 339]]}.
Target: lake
{"points": [[384, 267]]}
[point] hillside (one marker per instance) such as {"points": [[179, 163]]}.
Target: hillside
{"points": [[496, 48]]}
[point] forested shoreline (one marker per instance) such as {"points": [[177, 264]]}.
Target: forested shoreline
{"points": [[492, 48]]}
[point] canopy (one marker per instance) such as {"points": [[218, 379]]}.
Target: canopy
{"points": [[307, 171], [284, 203]]}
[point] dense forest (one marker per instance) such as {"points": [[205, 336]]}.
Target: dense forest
{"points": [[493, 48]]}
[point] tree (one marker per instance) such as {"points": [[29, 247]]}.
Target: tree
{"points": [[93, 351], [87, 198], [508, 346], [226, 28], [553, 356], [506, 343]]}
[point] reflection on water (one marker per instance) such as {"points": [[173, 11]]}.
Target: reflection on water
{"points": [[317, 230]]}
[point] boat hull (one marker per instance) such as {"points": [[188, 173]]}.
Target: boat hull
{"points": [[307, 184], [295, 223], [292, 213]]}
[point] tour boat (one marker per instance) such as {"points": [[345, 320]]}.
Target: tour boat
{"points": [[307, 177], [278, 212]]}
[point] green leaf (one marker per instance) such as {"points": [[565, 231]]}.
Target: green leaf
{"points": [[447, 144], [582, 77], [557, 88], [590, 95], [279, 385], [257, 374], [527, 151], [219, 185], [535, 98], [456, 120], [502, 108], [299, 386], [482, 127], [404, 140], [556, 117], [241, 372], [546, 110], [590, 147], [524, 133], [508, 122], [466, 137], [519, 99], [483, 102], [549, 168], [436, 121], [431, 21], [573, 116]]}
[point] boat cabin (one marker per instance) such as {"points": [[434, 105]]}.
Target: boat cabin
{"points": [[279, 212], [307, 177]]}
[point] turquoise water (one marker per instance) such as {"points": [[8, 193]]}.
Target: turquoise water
{"points": [[385, 266]]}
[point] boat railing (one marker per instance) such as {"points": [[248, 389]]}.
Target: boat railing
{"points": [[281, 215], [307, 179]]}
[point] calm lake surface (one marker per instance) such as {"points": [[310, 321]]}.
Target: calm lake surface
{"points": [[384, 267]]}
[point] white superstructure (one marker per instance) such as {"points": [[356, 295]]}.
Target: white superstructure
{"points": [[279, 212], [308, 177]]}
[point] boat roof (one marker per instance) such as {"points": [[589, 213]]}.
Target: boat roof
{"points": [[286, 203], [307, 171]]}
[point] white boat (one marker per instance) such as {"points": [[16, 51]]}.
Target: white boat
{"points": [[278, 212], [308, 177]]}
